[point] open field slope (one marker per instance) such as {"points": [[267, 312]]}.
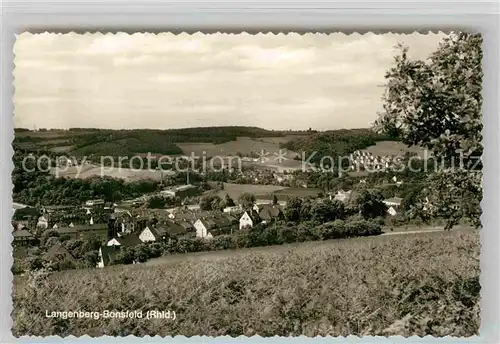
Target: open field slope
{"points": [[424, 284], [128, 174], [236, 190], [242, 145], [105, 142]]}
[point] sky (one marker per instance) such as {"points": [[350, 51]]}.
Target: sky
{"points": [[122, 81]]}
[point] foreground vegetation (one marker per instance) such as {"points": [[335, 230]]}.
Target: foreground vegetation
{"points": [[410, 285]]}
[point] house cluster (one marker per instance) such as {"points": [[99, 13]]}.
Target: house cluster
{"points": [[167, 226], [260, 213], [393, 204], [121, 226], [363, 160], [264, 176], [68, 221]]}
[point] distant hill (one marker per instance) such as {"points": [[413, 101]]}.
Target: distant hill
{"points": [[227, 140], [88, 141]]}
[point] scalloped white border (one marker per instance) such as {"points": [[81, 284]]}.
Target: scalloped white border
{"points": [[276, 18]]}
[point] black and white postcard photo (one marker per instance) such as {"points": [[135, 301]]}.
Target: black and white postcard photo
{"points": [[247, 184]]}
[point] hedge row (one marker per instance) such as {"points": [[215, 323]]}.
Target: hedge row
{"points": [[257, 236], [260, 235]]}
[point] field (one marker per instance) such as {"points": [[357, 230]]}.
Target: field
{"points": [[243, 145], [393, 148], [236, 190], [58, 141], [127, 174], [426, 284]]}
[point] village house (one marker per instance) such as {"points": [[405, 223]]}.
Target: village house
{"points": [[125, 240], [249, 219], [22, 237], [20, 225], [208, 227], [394, 202], [188, 227], [85, 231], [58, 252], [151, 233], [271, 213], [224, 224], [17, 206], [181, 214], [107, 254], [181, 191], [95, 203], [391, 211], [124, 222], [392, 205], [71, 232], [204, 228], [342, 196], [161, 231], [232, 210], [43, 222], [27, 214]]}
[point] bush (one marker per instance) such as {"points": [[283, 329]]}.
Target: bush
{"points": [[241, 239], [155, 249], [67, 264], [17, 267], [287, 234], [33, 263], [48, 234], [332, 230], [222, 242], [305, 232], [91, 259], [270, 236], [124, 256], [408, 286], [363, 228], [51, 241]]}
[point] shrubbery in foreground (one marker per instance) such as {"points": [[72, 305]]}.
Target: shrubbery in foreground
{"points": [[409, 285]]}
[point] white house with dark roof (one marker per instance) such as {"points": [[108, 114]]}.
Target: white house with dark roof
{"points": [[43, 222], [125, 241], [203, 228], [107, 254], [249, 219], [151, 233]]}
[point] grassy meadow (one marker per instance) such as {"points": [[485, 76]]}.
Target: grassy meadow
{"points": [[395, 148], [422, 284]]}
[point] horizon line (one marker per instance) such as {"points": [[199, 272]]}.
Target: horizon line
{"points": [[193, 127]]}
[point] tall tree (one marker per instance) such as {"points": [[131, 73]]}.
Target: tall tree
{"points": [[436, 104], [228, 201], [293, 209], [247, 199], [370, 204]]}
